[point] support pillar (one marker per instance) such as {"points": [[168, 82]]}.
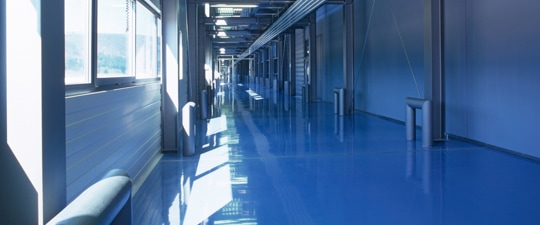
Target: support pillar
{"points": [[348, 56], [233, 71], [292, 63], [33, 119], [193, 52], [201, 62], [170, 105], [433, 76], [280, 62], [312, 74]]}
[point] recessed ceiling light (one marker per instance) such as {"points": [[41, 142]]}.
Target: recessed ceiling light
{"points": [[221, 23], [233, 6], [207, 9]]}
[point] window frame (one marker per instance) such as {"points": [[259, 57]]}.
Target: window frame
{"points": [[158, 44], [108, 83], [152, 8]]}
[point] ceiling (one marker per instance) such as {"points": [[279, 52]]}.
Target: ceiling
{"points": [[240, 27], [234, 26]]}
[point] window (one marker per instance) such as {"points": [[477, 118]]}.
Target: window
{"points": [[115, 38], [77, 38], [148, 44], [111, 42]]}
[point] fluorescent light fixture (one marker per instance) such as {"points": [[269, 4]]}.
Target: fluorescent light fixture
{"points": [[221, 49], [221, 23], [221, 34], [298, 10], [233, 6], [207, 9]]}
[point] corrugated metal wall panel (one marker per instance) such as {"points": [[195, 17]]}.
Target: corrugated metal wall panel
{"points": [[491, 73], [300, 42], [111, 129]]}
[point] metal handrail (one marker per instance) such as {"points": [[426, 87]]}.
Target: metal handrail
{"points": [[108, 201]]}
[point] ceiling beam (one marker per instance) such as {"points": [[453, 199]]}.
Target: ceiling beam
{"points": [[234, 32], [255, 2], [240, 2], [232, 45], [232, 21], [297, 11], [229, 40]]}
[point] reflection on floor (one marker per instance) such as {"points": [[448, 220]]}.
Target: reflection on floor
{"points": [[268, 159]]}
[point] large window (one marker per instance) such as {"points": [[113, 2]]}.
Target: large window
{"points": [[77, 38], [115, 38], [126, 46], [148, 44]]}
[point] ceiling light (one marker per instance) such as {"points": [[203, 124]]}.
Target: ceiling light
{"points": [[221, 34], [207, 9], [221, 23], [233, 6], [298, 10]]}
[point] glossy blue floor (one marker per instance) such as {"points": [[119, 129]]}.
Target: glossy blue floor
{"points": [[268, 159]]}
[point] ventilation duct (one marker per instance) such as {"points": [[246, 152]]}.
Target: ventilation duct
{"points": [[295, 13]]}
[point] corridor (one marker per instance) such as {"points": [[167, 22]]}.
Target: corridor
{"points": [[272, 159]]}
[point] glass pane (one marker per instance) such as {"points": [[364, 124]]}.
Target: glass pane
{"points": [[115, 39], [147, 44], [77, 35], [157, 3], [159, 47]]}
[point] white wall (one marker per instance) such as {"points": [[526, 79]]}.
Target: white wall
{"points": [[34, 131]]}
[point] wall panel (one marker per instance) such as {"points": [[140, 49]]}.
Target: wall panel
{"points": [[491, 57], [389, 56], [111, 129], [330, 19]]}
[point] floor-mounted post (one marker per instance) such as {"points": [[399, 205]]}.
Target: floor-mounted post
{"points": [[410, 123]]}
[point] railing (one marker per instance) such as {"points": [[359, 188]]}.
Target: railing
{"points": [[108, 201]]}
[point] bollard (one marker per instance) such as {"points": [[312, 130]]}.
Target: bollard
{"points": [[410, 123], [204, 104], [305, 97], [336, 101], [339, 101], [342, 101], [188, 123]]}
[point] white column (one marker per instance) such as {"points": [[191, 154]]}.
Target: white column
{"points": [[35, 109]]}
